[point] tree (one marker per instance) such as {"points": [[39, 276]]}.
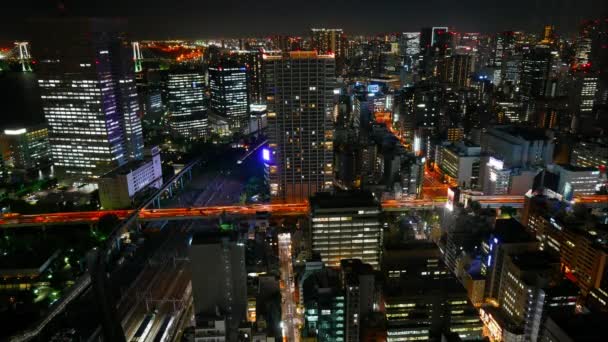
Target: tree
{"points": [[106, 224], [507, 211], [475, 206]]}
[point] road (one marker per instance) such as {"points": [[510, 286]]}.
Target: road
{"points": [[226, 193], [290, 321]]}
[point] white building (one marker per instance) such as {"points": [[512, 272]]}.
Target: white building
{"points": [[575, 180], [460, 162], [118, 187]]}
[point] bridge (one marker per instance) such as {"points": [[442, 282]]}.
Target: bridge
{"points": [[289, 209]]}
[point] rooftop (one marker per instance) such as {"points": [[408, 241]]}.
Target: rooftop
{"points": [[534, 261], [511, 231], [343, 199], [570, 167], [526, 133]]}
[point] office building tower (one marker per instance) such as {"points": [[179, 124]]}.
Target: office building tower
{"points": [[254, 62], [509, 237], [330, 41], [455, 70], [582, 252], [589, 154], [424, 300], [530, 288], [219, 278], [346, 225], [324, 306], [300, 104], [535, 71], [229, 93], [503, 47], [583, 95], [584, 42], [358, 283], [575, 180], [89, 96], [509, 112], [187, 110], [511, 157], [25, 148], [459, 162]]}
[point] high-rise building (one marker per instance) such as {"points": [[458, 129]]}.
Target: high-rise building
{"points": [[455, 70], [330, 41], [187, 110], [508, 237], [423, 299], [229, 93], [25, 148], [589, 154], [575, 180], [324, 308], [219, 278], [89, 96], [346, 225], [459, 162], [300, 104], [358, 282], [530, 287], [535, 71]]}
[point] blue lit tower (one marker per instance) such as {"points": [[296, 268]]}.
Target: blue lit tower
{"points": [[89, 96]]}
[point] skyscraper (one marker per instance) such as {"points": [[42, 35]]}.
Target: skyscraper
{"points": [[329, 41], [89, 96], [346, 225], [300, 103], [219, 279], [187, 110], [228, 82], [535, 70]]}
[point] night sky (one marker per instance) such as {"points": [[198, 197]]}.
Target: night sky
{"points": [[232, 18]]}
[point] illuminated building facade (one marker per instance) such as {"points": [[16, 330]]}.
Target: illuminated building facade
{"points": [[346, 225], [89, 96], [25, 148], [498, 178], [574, 180], [589, 154], [508, 237], [423, 309], [300, 96], [229, 93], [329, 41], [118, 187], [527, 290], [535, 70], [324, 306], [187, 110], [358, 282], [459, 161]]}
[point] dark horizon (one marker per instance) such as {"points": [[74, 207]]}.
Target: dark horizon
{"points": [[190, 19]]}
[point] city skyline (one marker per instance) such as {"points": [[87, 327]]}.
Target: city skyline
{"points": [[428, 184], [198, 20]]}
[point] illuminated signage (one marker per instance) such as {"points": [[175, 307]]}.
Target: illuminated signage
{"points": [[373, 88], [495, 163], [14, 131], [266, 154]]}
